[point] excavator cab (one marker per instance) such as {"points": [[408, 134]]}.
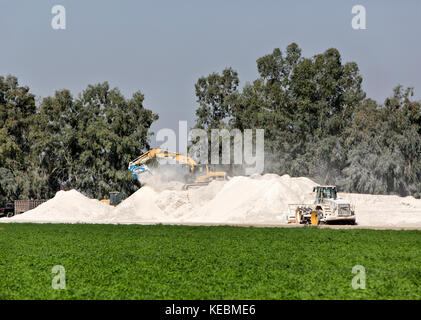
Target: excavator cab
{"points": [[200, 170]]}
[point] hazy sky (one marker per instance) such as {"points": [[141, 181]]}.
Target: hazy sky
{"points": [[163, 47]]}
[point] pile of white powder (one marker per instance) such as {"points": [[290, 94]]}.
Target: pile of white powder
{"points": [[255, 199], [67, 207]]}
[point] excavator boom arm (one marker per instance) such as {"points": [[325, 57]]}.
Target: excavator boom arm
{"points": [[138, 165], [159, 153]]}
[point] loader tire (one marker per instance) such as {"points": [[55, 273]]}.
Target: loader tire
{"points": [[315, 221], [298, 217]]}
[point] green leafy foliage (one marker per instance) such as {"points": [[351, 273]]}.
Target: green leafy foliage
{"points": [[384, 145], [214, 95], [65, 142], [181, 262], [319, 124], [17, 113]]}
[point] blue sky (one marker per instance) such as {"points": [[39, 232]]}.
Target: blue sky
{"points": [[163, 47]]}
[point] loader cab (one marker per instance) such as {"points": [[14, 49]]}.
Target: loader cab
{"points": [[325, 192]]}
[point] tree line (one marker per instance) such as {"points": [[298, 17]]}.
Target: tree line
{"points": [[66, 142], [317, 119], [319, 123]]}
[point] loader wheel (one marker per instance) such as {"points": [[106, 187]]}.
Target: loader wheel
{"points": [[315, 219], [297, 217]]}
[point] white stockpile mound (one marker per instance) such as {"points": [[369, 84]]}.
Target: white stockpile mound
{"points": [[254, 199], [385, 211], [66, 207]]}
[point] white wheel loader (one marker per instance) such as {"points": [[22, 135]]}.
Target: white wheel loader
{"points": [[327, 208]]}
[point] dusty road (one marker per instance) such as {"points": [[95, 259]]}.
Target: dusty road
{"points": [[283, 225]]}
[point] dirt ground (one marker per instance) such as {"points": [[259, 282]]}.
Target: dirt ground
{"points": [[284, 225]]}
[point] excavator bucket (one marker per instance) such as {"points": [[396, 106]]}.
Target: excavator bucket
{"points": [[139, 170]]}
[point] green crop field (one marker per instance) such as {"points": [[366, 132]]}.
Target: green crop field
{"points": [[183, 262]]}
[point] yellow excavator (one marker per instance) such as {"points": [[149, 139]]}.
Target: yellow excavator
{"points": [[200, 173]]}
